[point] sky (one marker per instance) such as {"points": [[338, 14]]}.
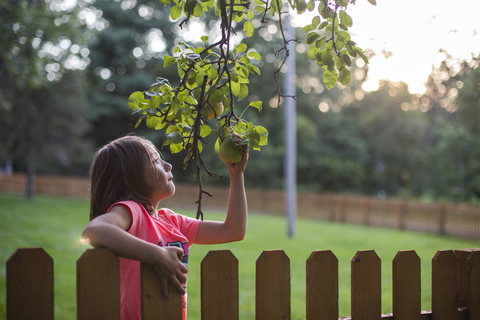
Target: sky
{"points": [[413, 31]]}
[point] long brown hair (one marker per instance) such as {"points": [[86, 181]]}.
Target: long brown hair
{"points": [[118, 173]]}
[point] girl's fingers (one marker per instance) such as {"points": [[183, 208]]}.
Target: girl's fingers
{"points": [[164, 283]]}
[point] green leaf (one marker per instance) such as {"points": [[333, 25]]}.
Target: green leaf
{"points": [[344, 77], [250, 14], [309, 27], [244, 59], [253, 69], [315, 21], [176, 147], [343, 35], [345, 18], [313, 52], [320, 42], [326, 56], [138, 122], [248, 28], [254, 55], [374, 2], [243, 92], [311, 5], [360, 53], [175, 137], [329, 79], [212, 73], [347, 60], [257, 105], [260, 9], [135, 99], [241, 47], [312, 37], [155, 102], [200, 77], [205, 131], [235, 88], [160, 125], [152, 122], [168, 61], [204, 39], [175, 12], [198, 10], [322, 25], [263, 135], [166, 2], [301, 5]]}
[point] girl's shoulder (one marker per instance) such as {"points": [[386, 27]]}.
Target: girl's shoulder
{"points": [[134, 207]]}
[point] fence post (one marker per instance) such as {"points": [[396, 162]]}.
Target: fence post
{"points": [[272, 286], [445, 285], [473, 288], [219, 286], [154, 305], [402, 215], [406, 286], [442, 219], [30, 285], [462, 256], [366, 211], [98, 285], [322, 286], [366, 286]]}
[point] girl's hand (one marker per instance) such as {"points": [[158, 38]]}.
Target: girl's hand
{"points": [[239, 167], [169, 268]]}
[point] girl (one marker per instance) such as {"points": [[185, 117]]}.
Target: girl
{"points": [[128, 181]]}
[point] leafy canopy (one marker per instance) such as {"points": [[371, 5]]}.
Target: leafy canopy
{"points": [[218, 73]]}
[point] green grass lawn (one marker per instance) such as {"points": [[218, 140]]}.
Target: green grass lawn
{"points": [[56, 224]]}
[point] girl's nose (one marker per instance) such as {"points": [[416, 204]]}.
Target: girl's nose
{"points": [[167, 166]]}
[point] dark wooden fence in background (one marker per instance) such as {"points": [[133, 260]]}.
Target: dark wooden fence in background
{"points": [[443, 218]]}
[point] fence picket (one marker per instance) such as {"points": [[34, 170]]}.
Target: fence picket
{"points": [[272, 286], [219, 286], [462, 256], [366, 286], [406, 286], [445, 285], [473, 287], [154, 305], [30, 285], [322, 286], [98, 285]]}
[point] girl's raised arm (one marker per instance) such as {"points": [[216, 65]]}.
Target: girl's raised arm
{"points": [[235, 225]]}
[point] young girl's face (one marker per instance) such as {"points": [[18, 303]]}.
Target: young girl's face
{"points": [[160, 176]]}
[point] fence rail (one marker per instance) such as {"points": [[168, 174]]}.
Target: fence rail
{"points": [[455, 287], [443, 218]]}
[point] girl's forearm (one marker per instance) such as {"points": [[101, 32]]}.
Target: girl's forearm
{"points": [[236, 219], [122, 244]]}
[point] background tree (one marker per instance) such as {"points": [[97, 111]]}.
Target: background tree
{"points": [[452, 101], [41, 41]]}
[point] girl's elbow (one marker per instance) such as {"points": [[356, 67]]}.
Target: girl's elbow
{"points": [[238, 236], [90, 236]]}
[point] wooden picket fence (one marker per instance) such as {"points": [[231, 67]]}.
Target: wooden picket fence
{"points": [[442, 218], [455, 287]]}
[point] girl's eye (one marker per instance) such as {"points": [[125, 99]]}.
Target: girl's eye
{"points": [[156, 161]]}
